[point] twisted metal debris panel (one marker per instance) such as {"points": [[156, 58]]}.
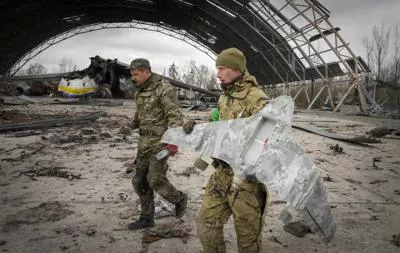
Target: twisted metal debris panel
{"points": [[262, 146]]}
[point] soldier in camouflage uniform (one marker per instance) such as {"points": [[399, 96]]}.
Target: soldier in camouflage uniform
{"points": [[226, 193], [156, 110]]}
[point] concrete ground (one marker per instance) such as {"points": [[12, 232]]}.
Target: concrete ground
{"points": [[66, 188]]}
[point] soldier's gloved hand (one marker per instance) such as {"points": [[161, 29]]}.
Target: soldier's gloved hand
{"points": [[214, 116], [188, 126], [173, 149]]}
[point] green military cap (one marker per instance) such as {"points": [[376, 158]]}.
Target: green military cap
{"points": [[140, 63], [232, 58]]}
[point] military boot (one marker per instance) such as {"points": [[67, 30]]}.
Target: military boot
{"points": [[141, 223], [180, 207]]}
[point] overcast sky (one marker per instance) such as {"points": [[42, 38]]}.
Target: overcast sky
{"points": [[355, 17]]}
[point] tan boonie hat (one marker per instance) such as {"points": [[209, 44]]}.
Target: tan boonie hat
{"points": [[232, 58], [140, 63]]}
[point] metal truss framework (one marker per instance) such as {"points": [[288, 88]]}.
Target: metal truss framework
{"points": [[141, 25], [285, 41]]}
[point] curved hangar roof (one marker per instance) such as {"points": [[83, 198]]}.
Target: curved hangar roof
{"points": [[284, 40]]}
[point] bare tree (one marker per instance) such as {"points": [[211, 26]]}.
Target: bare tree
{"points": [[36, 69], [369, 50], [383, 52], [394, 71], [202, 76], [212, 81], [190, 76], [381, 37], [67, 65], [173, 71]]}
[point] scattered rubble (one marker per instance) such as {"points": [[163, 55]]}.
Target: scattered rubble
{"points": [[125, 130], [327, 178], [191, 170], [91, 231], [377, 181], [353, 181], [51, 123], [354, 139], [337, 149], [379, 131], [101, 153], [51, 172], [178, 229], [64, 247], [275, 239], [396, 240], [376, 160], [297, 228], [45, 212]]}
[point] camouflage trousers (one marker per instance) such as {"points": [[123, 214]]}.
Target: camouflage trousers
{"points": [[151, 176], [226, 195]]}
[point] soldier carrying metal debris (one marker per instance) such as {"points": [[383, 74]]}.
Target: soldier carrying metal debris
{"points": [[226, 193], [157, 110]]}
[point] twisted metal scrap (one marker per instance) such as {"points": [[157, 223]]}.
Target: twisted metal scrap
{"points": [[262, 146]]}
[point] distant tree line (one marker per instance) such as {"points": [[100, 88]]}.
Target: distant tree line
{"points": [[36, 68], [193, 74], [383, 52]]}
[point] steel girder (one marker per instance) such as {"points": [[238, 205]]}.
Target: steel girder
{"points": [[277, 36]]}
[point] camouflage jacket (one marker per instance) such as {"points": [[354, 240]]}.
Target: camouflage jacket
{"points": [[157, 109], [242, 99]]}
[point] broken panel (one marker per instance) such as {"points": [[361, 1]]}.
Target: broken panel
{"points": [[262, 146]]}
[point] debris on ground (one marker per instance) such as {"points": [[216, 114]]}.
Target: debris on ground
{"points": [[355, 139], [191, 170], [396, 240], [66, 230], [377, 181], [178, 229], [51, 172], [106, 199], [27, 133], [63, 247], [125, 130], [86, 131], [163, 208], [336, 148], [352, 181], [51, 123], [376, 160], [274, 239], [45, 212], [91, 231], [200, 164], [379, 131], [297, 228], [327, 178]]}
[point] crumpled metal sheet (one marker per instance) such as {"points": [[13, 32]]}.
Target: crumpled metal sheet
{"points": [[262, 146]]}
